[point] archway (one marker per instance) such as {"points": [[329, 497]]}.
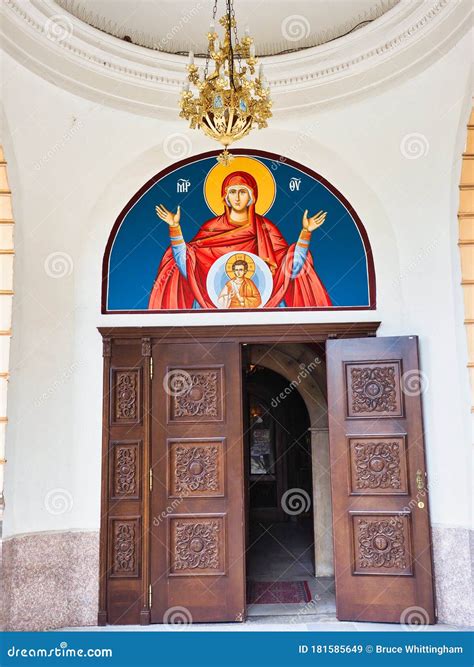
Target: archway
{"points": [[304, 368]]}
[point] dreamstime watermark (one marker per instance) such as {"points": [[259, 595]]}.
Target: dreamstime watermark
{"points": [[414, 618], [414, 382], [58, 28], [296, 27], [177, 145], [295, 501], [58, 501], [305, 370], [183, 21], [177, 382], [307, 609], [177, 616], [167, 511], [56, 384], [415, 262], [301, 138], [58, 265], [417, 501], [59, 145], [61, 651], [414, 146]]}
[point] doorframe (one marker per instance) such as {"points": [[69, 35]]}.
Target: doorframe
{"points": [[147, 337]]}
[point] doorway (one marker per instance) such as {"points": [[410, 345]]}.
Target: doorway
{"points": [[176, 469], [280, 560]]}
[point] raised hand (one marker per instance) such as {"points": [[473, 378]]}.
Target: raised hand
{"points": [[171, 219], [313, 222]]}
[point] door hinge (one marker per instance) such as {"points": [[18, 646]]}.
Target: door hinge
{"points": [[150, 596], [151, 368], [150, 479]]}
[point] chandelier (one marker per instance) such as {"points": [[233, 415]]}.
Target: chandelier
{"points": [[232, 98]]}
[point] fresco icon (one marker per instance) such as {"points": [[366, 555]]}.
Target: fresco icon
{"points": [[181, 281], [239, 239], [239, 280]]}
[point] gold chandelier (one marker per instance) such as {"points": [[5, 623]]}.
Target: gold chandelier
{"points": [[232, 98]]}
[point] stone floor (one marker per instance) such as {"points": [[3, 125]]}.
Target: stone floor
{"points": [[284, 552]]}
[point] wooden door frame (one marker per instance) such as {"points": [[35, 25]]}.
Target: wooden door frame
{"points": [[147, 337]]}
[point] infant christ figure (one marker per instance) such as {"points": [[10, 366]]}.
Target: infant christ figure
{"points": [[240, 292]]}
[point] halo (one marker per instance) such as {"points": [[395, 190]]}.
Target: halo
{"points": [[235, 258], [261, 173]]}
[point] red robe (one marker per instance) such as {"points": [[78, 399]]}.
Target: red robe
{"points": [[172, 291]]}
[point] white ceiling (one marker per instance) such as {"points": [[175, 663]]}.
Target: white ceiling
{"points": [[178, 26]]}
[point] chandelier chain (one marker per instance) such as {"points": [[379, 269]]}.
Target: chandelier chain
{"points": [[208, 55], [229, 101], [236, 37]]}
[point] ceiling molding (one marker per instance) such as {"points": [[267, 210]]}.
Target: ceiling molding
{"points": [[186, 29], [90, 63]]}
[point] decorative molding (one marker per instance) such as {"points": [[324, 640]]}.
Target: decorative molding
{"points": [[106, 347], [146, 347], [265, 48], [98, 66]]}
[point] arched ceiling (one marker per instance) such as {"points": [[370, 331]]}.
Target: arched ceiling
{"points": [[177, 26], [86, 60]]}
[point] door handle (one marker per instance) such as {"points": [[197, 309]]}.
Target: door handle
{"points": [[420, 485], [420, 480]]}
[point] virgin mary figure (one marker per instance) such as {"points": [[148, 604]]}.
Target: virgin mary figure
{"points": [[181, 279]]}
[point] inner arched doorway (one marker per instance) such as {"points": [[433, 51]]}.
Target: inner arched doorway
{"points": [[289, 534]]}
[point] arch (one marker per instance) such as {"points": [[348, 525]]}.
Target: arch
{"points": [[349, 252], [290, 360]]}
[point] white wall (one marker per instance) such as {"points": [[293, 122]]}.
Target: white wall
{"points": [[74, 164]]}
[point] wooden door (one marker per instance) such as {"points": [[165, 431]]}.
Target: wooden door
{"points": [[197, 498], [381, 527]]}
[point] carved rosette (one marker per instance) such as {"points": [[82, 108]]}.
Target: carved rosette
{"points": [[374, 389], [377, 465], [196, 546], [125, 471], [126, 396], [201, 399], [196, 469], [382, 545], [124, 559]]}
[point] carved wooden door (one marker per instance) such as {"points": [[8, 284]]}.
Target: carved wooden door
{"points": [[381, 527], [197, 499]]}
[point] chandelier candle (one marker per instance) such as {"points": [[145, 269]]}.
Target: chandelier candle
{"points": [[230, 100]]}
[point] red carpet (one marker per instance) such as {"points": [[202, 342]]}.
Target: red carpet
{"points": [[278, 592]]}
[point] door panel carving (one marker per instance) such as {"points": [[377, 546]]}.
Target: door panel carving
{"points": [[126, 396], [197, 545], [381, 527], [196, 468], [125, 539], [378, 465], [198, 542], [382, 544], [195, 394], [125, 470], [373, 389]]}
